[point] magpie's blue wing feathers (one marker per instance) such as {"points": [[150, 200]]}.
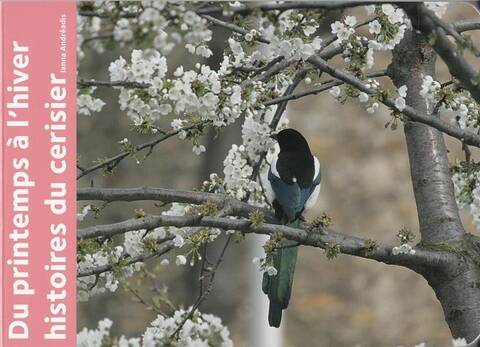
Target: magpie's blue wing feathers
{"points": [[291, 197]]}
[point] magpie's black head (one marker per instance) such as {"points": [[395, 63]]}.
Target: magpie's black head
{"points": [[291, 140]]}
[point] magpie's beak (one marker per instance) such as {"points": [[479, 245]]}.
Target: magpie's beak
{"points": [[274, 136]]}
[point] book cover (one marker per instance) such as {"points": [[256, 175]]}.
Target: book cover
{"points": [[239, 173]]}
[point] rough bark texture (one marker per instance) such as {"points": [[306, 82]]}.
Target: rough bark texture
{"points": [[456, 284]]}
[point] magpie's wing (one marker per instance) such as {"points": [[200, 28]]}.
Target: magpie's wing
{"points": [[292, 197], [289, 196]]}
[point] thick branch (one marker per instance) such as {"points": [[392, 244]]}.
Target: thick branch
{"points": [[127, 84], [108, 15], [227, 204], [289, 5], [466, 25], [304, 236], [431, 178], [440, 224], [349, 244]]}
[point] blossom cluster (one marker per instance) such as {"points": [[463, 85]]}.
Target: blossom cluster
{"points": [[291, 37], [389, 29], [86, 103], [149, 22], [400, 102], [100, 337], [466, 181], [404, 248], [452, 102], [458, 342], [201, 330], [265, 266], [87, 28], [386, 29], [148, 67], [198, 95], [107, 255], [84, 212], [137, 243], [457, 106]]}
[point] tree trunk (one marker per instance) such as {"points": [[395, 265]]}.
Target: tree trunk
{"points": [[456, 285]]}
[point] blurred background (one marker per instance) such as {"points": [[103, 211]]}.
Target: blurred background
{"points": [[366, 189]]}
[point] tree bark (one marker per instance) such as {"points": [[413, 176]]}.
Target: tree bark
{"points": [[456, 283]]}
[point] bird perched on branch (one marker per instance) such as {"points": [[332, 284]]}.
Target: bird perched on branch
{"points": [[293, 185]]}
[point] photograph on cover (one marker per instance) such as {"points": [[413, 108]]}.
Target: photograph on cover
{"points": [[205, 131]]}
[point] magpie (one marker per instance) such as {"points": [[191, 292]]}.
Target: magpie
{"points": [[293, 185]]}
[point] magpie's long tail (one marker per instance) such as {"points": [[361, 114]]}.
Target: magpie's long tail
{"points": [[279, 287]]}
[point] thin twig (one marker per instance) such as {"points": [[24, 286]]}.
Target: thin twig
{"points": [[101, 36], [116, 159], [206, 293], [144, 302], [465, 148], [108, 15]]}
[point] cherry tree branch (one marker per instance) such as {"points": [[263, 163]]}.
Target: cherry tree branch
{"points": [[466, 25], [466, 136], [320, 62], [458, 66], [96, 83], [306, 234], [109, 15], [228, 205], [288, 5], [325, 53], [321, 88], [100, 36], [450, 30]]}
